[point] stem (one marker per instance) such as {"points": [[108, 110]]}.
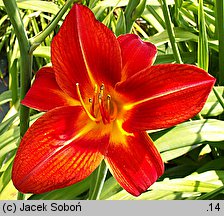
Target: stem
{"points": [[98, 178], [170, 31], [13, 80], [25, 59], [38, 39], [20, 196], [25, 62]]}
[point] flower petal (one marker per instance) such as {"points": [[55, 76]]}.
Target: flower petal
{"points": [[164, 96], [136, 54], [45, 93], [61, 148], [134, 162], [86, 52]]}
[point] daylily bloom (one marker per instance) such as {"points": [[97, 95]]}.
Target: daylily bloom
{"points": [[101, 96]]}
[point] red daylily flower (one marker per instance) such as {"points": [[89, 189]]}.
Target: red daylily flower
{"points": [[101, 95]]}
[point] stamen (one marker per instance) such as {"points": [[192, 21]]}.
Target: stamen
{"points": [[108, 107], [92, 111], [102, 108], [108, 103], [83, 104], [99, 107], [101, 91]]}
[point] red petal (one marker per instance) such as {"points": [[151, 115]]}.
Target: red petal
{"points": [[59, 149], [134, 162], [136, 54], [86, 52], [164, 96], [45, 93]]}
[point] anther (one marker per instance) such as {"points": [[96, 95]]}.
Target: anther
{"points": [[102, 87], [101, 91], [108, 106]]}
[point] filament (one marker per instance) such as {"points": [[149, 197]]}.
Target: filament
{"points": [[83, 104]]}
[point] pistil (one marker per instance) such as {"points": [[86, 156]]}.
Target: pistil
{"points": [[94, 100]]}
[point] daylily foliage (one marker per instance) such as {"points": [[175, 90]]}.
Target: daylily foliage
{"points": [[101, 95]]}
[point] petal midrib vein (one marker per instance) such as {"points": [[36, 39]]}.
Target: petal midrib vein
{"points": [[163, 94]]}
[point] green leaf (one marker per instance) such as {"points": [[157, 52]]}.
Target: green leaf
{"points": [[163, 195], [194, 8], [5, 97], [139, 10], [154, 16], [8, 147], [6, 124], [203, 53], [170, 31], [6, 176], [122, 3], [187, 57], [97, 181], [219, 97], [67, 193], [42, 51], [190, 135], [215, 177], [183, 185], [38, 5], [217, 163], [128, 13], [180, 35], [9, 192], [212, 194], [174, 153], [92, 3], [121, 25], [110, 188], [212, 106], [192, 185], [219, 14]]}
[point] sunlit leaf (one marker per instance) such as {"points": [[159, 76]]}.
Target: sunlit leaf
{"points": [[212, 107], [121, 3], [36, 5], [72, 192], [193, 185], [189, 133]]}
